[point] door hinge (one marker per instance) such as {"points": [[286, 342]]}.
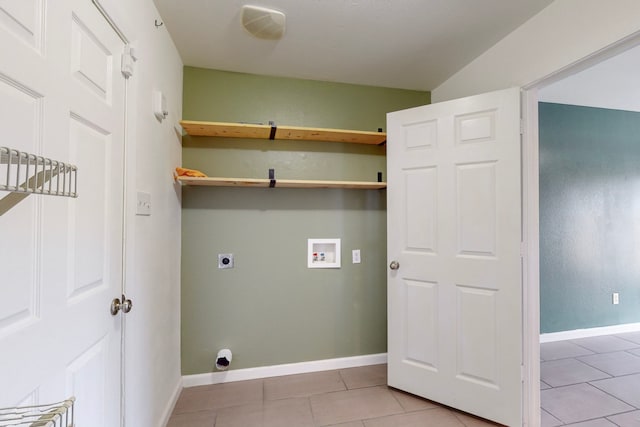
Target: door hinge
{"points": [[521, 373], [523, 250], [129, 56], [521, 126]]}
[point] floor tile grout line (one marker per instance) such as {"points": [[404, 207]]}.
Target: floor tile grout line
{"points": [[313, 418], [584, 348], [620, 413], [344, 383], [632, 342], [611, 376], [391, 390], [597, 369], [618, 376], [627, 351], [614, 397]]}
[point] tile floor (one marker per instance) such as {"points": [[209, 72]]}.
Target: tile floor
{"points": [[591, 382], [354, 397]]}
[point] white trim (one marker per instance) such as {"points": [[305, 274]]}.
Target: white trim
{"points": [[531, 205], [590, 332], [531, 261], [112, 14], [166, 415], [285, 369]]}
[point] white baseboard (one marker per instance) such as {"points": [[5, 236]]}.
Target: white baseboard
{"points": [[172, 403], [591, 332], [280, 370]]}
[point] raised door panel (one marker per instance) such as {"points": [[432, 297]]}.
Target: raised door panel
{"points": [[25, 19], [90, 148], [421, 323], [86, 376]]}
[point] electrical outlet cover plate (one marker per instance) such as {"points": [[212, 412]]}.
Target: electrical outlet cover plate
{"points": [[225, 260]]}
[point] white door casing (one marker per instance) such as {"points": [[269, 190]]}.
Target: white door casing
{"points": [[62, 96], [454, 226]]}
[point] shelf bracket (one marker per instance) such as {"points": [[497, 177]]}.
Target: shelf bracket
{"points": [[383, 142], [272, 178], [274, 128]]}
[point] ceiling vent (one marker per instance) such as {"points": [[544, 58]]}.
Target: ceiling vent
{"points": [[262, 22]]}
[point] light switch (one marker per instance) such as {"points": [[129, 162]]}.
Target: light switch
{"points": [[355, 256], [143, 204]]}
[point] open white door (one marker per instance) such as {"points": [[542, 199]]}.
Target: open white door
{"points": [[62, 96], [454, 233]]}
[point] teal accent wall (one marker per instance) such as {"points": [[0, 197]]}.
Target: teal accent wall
{"points": [[589, 217], [270, 308]]}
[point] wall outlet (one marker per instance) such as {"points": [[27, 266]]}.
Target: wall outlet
{"points": [[355, 256], [225, 260], [615, 299]]}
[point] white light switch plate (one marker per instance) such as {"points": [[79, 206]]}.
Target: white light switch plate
{"points": [[143, 204], [355, 256]]}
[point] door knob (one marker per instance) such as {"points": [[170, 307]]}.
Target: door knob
{"points": [[125, 305], [115, 306], [394, 265]]}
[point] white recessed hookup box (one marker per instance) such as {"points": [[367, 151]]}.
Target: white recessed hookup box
{"points": [[323, 253]]}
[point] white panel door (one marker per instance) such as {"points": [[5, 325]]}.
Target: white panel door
{"points": [[454, 228], [62, 96]]}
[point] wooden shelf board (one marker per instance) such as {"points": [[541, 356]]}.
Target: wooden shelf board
{"points": [[280, 183], [228, 130], [331, 135], [241, 130]]}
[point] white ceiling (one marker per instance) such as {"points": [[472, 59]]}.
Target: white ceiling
{"points": [[410, 44]]}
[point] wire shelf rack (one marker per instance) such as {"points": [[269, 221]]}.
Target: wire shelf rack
{"points": [[59, 414], [41, 175], [22, 174]]}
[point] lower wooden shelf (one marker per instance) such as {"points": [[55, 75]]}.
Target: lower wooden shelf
{"points": [[280, 183]]}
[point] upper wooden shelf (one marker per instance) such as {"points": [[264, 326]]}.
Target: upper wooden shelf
{"points": [[279, 183], [241, 130]]}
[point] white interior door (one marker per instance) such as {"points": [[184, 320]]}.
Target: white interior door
{"points": [[62, 96], [454, 228]]}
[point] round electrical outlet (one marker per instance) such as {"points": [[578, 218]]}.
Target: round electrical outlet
{"points": [[225, 260]]}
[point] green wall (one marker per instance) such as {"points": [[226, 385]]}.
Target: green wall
{"points": [[270, 309], [589, 217]]}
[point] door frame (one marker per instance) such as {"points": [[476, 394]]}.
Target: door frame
{"points": [[531, 224], [118, 21]]}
